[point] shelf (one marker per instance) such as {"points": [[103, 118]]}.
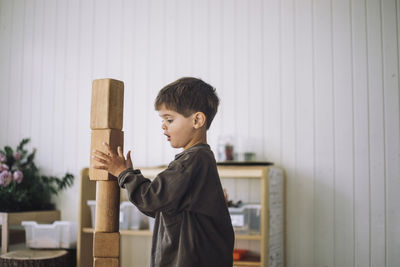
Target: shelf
{"points": [[228, 171], [247, 237], [242, 172], [253, 183], [136, 232], [89, 230], [248, 261]]}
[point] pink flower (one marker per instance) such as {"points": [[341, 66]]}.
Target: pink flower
{"points": [[17, 156], [18, 175], [3, 167], [3, 158], [5, 178]]}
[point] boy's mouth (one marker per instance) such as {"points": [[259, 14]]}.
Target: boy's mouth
{"points": [[168, 137]]}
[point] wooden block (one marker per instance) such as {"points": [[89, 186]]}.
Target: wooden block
{"points": [[106, 245], [107, 206], [106, 262], [107, 104], [114, 138]]}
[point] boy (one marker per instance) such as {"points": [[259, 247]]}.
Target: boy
{"points": [[192, 224]]}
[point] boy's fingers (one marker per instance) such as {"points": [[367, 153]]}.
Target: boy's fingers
{"points": [[101, 154], [100, 167], [108, 148], [128, 160], [99, 159]]}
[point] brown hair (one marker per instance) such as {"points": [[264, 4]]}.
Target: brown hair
{"points": [[189, 95]]}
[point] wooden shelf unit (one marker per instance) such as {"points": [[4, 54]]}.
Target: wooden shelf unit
{"points": [[85, 231]]}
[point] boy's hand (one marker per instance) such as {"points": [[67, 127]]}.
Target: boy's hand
{"points": [[112, 162]]}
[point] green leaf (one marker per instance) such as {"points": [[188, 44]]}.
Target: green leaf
{"points": [[35, 190]]}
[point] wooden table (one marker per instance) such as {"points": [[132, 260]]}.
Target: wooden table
{"points": [[13, 218], [35, 258]]}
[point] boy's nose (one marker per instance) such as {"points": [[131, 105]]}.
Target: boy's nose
{"points": [[163, 126]]}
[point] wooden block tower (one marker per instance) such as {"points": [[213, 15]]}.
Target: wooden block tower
{"points": [[106, 124]]}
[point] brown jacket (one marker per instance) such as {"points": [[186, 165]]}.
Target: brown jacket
{"points": [[192, 223]]}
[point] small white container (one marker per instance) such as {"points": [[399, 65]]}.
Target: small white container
{"points": [[238, 218], [124, 214], [253, 213], [92, 206], [246, 219], [151, 223], [129, 216], [60, 234], [137, 219]]}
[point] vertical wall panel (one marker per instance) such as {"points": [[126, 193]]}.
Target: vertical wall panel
{"points": [[241, 73], [16, 58], [215, 64], [155, 82], [27, 71], [271, 52], [288, 145], [70, 119], [46, 89], [361, 136], [37, 79], [228, 103], [127, 63], [5, 57], [84, 80], [59, 85], [377, 134], [304, 112], [343, 134], [324, 137], [114, 60], [101, 31], [72, 69], [184, 34], [199, 30], [392, 129], [140, 101], [254, 140], [170, 53]]}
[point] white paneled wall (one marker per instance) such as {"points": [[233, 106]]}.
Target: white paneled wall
{"points": [[312, 85]]}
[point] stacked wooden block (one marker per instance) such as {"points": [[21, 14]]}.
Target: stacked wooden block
{"points": [[106, 124]]}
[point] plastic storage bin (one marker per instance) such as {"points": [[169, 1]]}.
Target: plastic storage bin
{"points": [[253, 211], [137, 219], [151, 223], [124, 215], [129, 216], [246, 219], [92, 206], [60, 234]]}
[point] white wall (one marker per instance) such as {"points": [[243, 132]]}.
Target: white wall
{"points": [[314, 83]]}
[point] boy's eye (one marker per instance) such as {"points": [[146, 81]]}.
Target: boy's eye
{"points": [[169, 121]]}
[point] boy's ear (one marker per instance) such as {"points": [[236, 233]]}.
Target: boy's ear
{"points": [[199, 119]]}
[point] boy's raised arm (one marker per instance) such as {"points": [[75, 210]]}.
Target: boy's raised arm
{"points": [[164, 193]]}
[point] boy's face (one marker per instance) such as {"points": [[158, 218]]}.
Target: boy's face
{"points": [[178, 129]]}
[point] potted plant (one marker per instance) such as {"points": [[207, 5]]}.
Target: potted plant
{"points": [[22, 186]]}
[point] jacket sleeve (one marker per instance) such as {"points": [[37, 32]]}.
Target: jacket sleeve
{"points": [[166, 192]]}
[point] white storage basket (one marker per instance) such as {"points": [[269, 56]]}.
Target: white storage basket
{"points": [[60, 234]]}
